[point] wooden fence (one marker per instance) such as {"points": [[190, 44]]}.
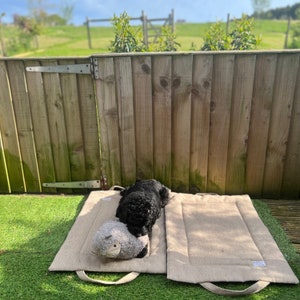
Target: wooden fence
{"points": [[225, 122]]}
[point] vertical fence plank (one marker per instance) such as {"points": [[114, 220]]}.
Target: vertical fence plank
{"points": [[201, 97], [239, 123], [69, 88], [284, 88], [141, 67], [4, 182], [16, 72], [9, 134], [265, 71], [58, 135], [220, 121], [41, 129], [123, 71], [90, 128], [181, 121], [109, 125], [161, 84], [291, 179]]}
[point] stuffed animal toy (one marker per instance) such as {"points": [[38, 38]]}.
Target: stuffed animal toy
{"points": [[113, 240]]}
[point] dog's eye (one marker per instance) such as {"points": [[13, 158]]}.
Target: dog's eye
{"points": [[115, 245]]}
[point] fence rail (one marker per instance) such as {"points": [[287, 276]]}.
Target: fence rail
{"points": [[225, 122]]}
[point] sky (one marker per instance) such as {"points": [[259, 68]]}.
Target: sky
{"points": [[196, 11]]}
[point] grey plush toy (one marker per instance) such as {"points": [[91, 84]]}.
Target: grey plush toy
{"points": [[113, 240]]}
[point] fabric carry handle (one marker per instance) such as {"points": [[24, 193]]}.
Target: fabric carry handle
{"points": [[254, 288], [125, 279]]}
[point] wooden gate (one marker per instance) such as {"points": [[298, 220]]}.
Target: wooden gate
{"points": [[225, 122]]}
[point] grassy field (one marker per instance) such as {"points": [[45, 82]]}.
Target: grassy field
{"points": [[33, 227], [72, 40]]}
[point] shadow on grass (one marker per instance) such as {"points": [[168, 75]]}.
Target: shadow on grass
{"points": [[24, 273]]}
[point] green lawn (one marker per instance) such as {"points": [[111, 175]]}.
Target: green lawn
{"points": [[33, 227], [72, 40]]}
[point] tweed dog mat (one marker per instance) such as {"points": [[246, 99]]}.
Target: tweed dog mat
{"points": [[200, 239], [76, 253], [212, 238]]}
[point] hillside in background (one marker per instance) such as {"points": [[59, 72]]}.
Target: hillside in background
{"points": [[281, 13], [72, 40]]}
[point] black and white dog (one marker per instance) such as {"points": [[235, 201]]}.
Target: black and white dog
{"points": [[140, 205]]}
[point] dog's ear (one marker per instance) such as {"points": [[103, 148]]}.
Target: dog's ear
{"points": [[121, 213], [164, 196], [124, 192]]}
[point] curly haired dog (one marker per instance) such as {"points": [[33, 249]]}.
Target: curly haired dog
{"points": [[140, 205]]}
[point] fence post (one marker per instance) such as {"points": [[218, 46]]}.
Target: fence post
{"points": [[88, 32], [287, 33], [171, 20], [227, 23], [1, 37], [145, 29]]}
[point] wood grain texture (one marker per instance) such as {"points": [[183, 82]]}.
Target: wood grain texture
{"points": [[265, 71], [291, 177], [225, 122], [143, 111], [10, 140], [40, 124], [181, 121], [162, 117], [89, 124], [109, 122], [56, 120], [239, 123], [200, 121], [22, 112], [284, 88], [220, 122], [124, 88]]}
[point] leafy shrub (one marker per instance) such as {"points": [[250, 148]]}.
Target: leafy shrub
{"points": [[166, 41], [126, 39], [129, 39], [216, 38], [241, 37], [27, 29], [295, 38]]}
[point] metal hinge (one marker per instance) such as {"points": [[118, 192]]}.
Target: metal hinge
{"points": [[91, 68], [89, 184]]}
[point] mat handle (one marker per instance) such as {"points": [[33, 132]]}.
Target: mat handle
{"points": [[125, 279], [254, 288]]}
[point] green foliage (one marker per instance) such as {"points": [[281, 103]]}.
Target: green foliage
{"points": [[27, 30], [216, 38], [241, 37], [72, 40], [126, 38], [295, 38], [165, 42]]}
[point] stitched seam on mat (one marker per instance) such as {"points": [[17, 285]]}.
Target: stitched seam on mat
{"points": [[252, 236]]}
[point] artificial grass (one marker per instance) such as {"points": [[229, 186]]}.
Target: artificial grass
{"points": [[33, 227]]}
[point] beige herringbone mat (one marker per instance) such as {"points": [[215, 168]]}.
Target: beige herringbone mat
{"points": [[208, 239], [212, 238]]}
